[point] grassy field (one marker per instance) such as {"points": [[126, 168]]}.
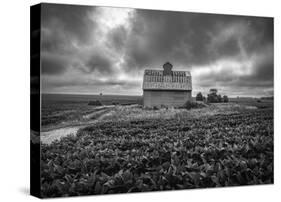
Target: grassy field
{"points": [[130, 149], [60, 110], [105, 99], [259, 103]]}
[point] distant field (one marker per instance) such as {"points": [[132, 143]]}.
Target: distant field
{"points": [[105, 99], [260, 103], [65, 109]]}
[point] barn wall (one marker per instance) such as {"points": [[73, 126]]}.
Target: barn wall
{"points": [[157, 98]]}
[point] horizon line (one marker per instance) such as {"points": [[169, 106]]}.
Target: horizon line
{"points": [[142, 95]]}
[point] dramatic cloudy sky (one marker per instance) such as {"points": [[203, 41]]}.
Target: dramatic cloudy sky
{"points": [[102, 49]]}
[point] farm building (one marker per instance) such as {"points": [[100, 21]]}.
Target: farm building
{"points": [[166, 87]]}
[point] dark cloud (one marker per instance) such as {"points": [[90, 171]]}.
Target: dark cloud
{"points": [[261, 35], [264, 66], [65, 29], [53, 64], [230, 47], [188, 38], [54, 40], [99, 62], [176, 36], [68, 22]]}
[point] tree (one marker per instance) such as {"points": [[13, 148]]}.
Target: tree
{"points": [[199, 97], [204, 98], [212, 98], [225, 98], [219, 98]]}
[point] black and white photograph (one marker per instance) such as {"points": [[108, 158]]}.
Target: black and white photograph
{"points": [[128, 100]]}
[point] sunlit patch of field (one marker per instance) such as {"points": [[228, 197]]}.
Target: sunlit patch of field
{"points": [[82, 116], [137, 112]]}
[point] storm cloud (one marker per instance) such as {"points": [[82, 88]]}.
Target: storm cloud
{"points": [[53, 64], [110, 47]]}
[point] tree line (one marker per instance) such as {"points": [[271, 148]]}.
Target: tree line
{"points": [[212, 97]]}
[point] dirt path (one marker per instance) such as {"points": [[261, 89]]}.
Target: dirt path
{"points": [[52, 135], [47, 137]]}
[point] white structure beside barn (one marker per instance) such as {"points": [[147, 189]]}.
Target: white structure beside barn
{"points": [[166, 87]]}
